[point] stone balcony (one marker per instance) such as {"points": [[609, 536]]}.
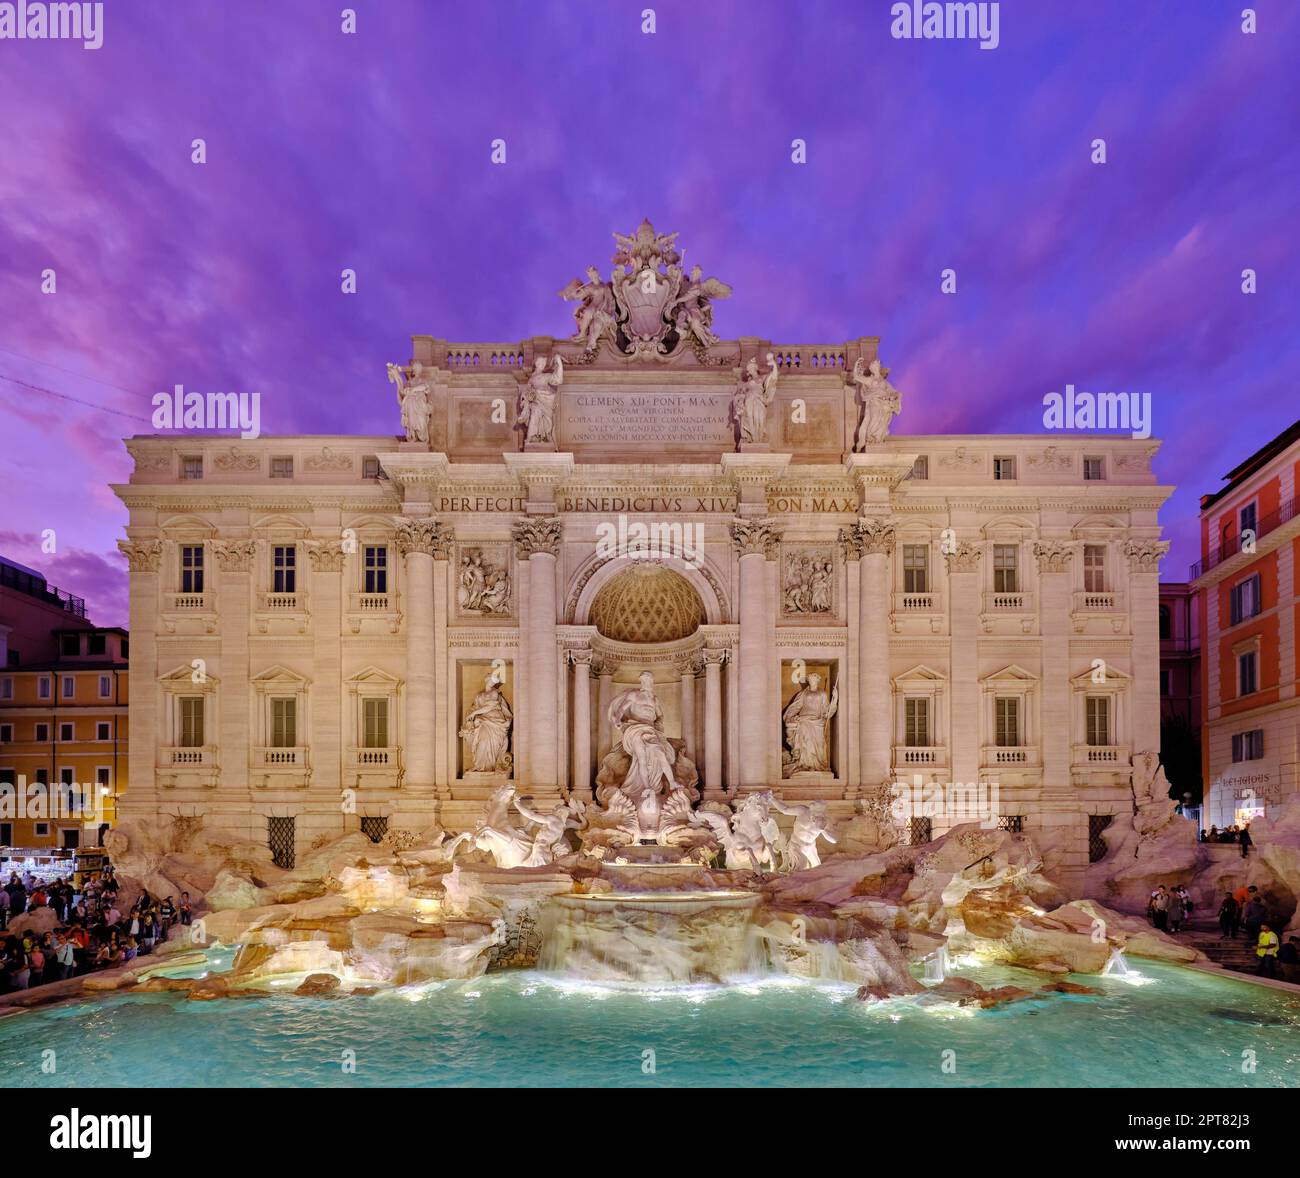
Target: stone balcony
{"points": [[283, 602], [1094, 756], [381, 610], [909, 756], [1008, 610], [187, 602], [995, 756], [202, 755], [280, 756]]}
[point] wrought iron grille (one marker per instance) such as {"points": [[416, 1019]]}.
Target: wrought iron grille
{"points": [[1015, 823], [279, 837], [374, 828], [921, 831], [1096, 844]]}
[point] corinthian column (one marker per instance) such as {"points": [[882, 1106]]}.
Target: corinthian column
{"points": [[755, 542], [873, 539], [144, 558], [538, 542], [713, 660], [581, 660], [1144, 558], [689, 668], [416, 540]]}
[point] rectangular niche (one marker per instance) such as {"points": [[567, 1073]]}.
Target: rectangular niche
{"points": [[484, 587], [809, 583], [484, 753], [796, 674]]}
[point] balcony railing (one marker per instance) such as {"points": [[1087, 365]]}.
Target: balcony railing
{"points": [[1006, 754], [911, 754], [1017, 602], [1232, 544], [921, 603], [281, 602], [1101, 754], [374, 758], [279, 755], [1088, 602], [370, 603], [191, 755], [187, 601]]}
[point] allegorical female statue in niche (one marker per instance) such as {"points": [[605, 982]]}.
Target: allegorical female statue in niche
{"points": [[880, 403], [807, 720], [537, 402], [487, 729], [753, 395], [413, 397]]}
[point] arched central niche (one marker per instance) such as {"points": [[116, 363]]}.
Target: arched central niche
{"points": [[647, 603]]}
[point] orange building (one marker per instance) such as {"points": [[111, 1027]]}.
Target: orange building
{"points": [[1246, 582], [63, 716]]}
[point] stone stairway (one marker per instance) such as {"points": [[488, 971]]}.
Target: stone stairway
{"points": [[1232, 953]]}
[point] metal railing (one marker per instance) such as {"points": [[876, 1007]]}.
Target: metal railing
{"points": [[1232, 544]]}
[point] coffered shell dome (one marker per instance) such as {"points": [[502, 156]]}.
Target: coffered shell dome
{"points": [[647, 603]]}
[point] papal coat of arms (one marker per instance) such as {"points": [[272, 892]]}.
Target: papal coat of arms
{"points": [[651, 306]]}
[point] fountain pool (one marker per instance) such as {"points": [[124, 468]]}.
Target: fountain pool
{"points": [[1183, 1029]]}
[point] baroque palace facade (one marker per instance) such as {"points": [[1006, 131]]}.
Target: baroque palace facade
{"points": [[333, 633]]}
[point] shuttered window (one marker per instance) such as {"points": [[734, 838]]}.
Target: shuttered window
{"points": [[375, 717], [191, 721], [284, 723], [1006, 711]]}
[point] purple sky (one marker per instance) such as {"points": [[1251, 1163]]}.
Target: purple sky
{"points": [[372, 151]]}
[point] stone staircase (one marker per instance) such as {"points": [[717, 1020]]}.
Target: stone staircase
{"points": [[1232, 953]]}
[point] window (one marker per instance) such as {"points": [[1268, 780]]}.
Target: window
{"points": [[42, 830], [280, 839], [1248, 746], [42, 687], [1244, 600], [1247, 518], [1097, 715], [1166, 624], [104, 778], [105, 686], [281, 467], [66, 776], [283, 568], [1166, 682], [1094, 469], [126, 649], [376, 568], [370, 467], [1005, 568], [1004, 467], [374, 828], [69, 645], [284, 723], [7, 687], [65, 732], [921, 467], [42, 733], [916, 717], [191, 721], [103, 731], [6, 734], [1248, 673], [191, 568], [375, 724], [1094, 568], [916, 568], [6, 834], [96, 644], [192, 466], [69, 687], [42, 777], [1006, 716]]}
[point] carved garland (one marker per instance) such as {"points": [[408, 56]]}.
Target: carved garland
{"points": [[1144, 555], [235, 556], [1052, 556], [964, 558]]}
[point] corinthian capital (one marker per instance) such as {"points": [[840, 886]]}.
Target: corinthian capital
{"points": [[326, 556], [1144, 555], [874, 535], [752, 538], [143, 556], [537, 537], [235, 556], [850, 543], [1053, 556], [423, 535]]}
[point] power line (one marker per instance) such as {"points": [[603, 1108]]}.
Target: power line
{"points": [[76, 400], [59, 368]]}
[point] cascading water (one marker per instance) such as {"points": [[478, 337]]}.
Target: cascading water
{"points": [[936, 965], [665, 937], [1117, 967]]}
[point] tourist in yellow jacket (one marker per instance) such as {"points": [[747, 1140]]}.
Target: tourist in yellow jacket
{"points": [[1266, 951]]}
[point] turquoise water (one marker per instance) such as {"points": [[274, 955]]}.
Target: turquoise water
{"points": [[1181, 1029]]}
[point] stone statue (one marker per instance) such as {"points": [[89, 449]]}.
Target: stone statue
{"points": [[1149, 781], [691, 309], [639, 721], [807, 720], [755, 836], [537, 403], [596, 313], [754, 393], [810, 824], [880, 403], [549, 842], [413, 397], [487, 729]]}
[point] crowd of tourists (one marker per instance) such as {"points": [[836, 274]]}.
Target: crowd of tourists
{"points": [[1244, 911], [1229, 834], [90, 930]]}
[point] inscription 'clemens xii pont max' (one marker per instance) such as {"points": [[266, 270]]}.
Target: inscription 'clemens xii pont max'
{"points": [[629, 418]]}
